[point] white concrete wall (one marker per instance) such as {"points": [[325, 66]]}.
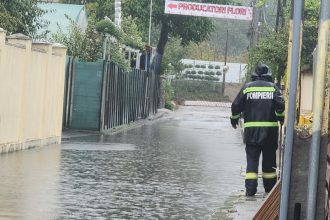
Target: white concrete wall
{"points": [[306, 104], [235, 74], [31, 92]]}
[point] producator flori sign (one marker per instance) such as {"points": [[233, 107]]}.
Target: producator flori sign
{"points": [[208, 10]]}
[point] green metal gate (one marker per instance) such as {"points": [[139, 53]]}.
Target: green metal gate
{"points": [[87, 95], [100, 96]]}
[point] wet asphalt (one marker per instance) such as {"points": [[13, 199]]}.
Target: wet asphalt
{"points": [[183, 166]]}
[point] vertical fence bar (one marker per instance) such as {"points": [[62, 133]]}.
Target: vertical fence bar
{"points": [[103, 96], [120, 96], [116, 98], [112, 101], [125, 121], [140, 94], [73, 77], [134, 95], [109, 96], [69, 94]]}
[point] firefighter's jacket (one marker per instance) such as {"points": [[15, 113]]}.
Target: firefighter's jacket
{"points": [[262, 105]]}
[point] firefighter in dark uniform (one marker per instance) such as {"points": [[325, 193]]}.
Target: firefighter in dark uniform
{"points": [[262, 105]]}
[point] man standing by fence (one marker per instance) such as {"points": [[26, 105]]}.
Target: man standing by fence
{"points": [[262, 105]]}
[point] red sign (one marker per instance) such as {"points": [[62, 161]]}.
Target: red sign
{"points": [[171, 6], [208, 10]]}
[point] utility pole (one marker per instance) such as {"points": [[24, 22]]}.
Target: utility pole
{"points": [[278, 12], [283, 7], [225, 68], [118, 13], [252, 34], [150, 18], [291, 111]]}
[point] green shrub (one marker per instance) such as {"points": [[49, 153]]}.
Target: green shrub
{"points": [[203, 66], [200, 72], [169, 105], [198, 66], [211, 78], [190, 66], [212, 73], [219, 73], [186, 66], [211, 67], [217, 67], [188, 72], [193, 72]]}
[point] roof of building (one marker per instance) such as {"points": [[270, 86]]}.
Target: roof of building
{"points": [[56, 16]]}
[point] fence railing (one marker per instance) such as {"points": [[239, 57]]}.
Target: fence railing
{"points": [[100, 95]]}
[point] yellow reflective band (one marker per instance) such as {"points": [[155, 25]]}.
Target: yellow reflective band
{"points": [[235, 116], [269, 175], [251, 176], [260, 124], [280, 114], [258, 89]]}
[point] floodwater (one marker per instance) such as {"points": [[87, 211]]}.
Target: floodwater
{"points": [[181, 167]]}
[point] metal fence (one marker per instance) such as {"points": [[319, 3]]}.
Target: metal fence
{"points": [[100, 95], [127, 96]]}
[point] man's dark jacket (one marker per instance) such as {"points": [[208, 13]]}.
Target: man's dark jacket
{"points": [[262, 105]]}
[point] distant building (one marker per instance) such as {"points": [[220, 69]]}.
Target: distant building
{"points": [[56, 16], [235, 74]]}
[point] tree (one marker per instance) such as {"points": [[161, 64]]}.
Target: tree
{"points": [[237, 36], [99, 8], [84, 45], [21, 16], [272, 48], [187, 28], [310, 31], [173, 55]]}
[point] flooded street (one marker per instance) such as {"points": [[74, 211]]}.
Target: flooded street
{"points": [[183, 166]]}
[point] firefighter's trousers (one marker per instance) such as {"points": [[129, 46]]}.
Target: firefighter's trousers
{"points": [[268, 166]]}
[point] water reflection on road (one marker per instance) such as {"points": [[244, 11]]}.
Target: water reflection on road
{"points": [[182, 167]]}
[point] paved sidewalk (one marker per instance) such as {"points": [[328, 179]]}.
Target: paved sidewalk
{"points": [[239, 207], [206, 103], [73, 133]]}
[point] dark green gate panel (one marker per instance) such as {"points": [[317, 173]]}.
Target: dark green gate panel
{"points": [[87, 95]]}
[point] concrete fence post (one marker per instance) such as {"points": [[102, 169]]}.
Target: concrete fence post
{"points": [[2, 39], [25, 43], [2, 48], [46, 48], [60, 50]]}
